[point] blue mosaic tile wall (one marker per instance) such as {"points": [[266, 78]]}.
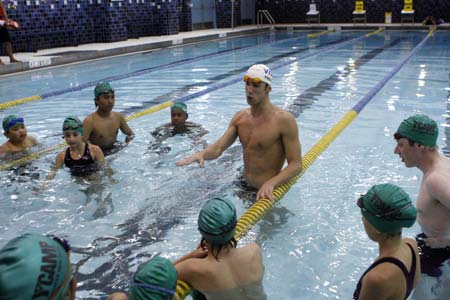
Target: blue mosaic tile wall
{"points": [[56, 23], [223, 13], [340, 11]]}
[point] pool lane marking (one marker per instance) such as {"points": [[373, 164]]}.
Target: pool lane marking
{"points": [[181, 62], [200, 86], [317, 34], [19, 101], [180, 99], [261, 207], [310, 95], [381, 29]]}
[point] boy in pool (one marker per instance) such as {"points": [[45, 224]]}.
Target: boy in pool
{"points": [[178, 125], [80, 157], [102, 126], [217, 268], [16, 133]]}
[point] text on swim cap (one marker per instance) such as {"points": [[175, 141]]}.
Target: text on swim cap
{"points": [[428, 128], [47, 271]]}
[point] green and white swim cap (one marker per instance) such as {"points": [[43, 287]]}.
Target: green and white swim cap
{"points": [[155, 279], [102, 88], [72, 123], [388, 208], [179, 106], [34, 266], [217, 221], [420, 129]]}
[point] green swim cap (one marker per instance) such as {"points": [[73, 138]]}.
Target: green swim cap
{"points": [[73, 123], [179, 106], [34, 266], [388, 208], [155, 280], [217, 221], [420, 129], [11, 121], [102, 88]]}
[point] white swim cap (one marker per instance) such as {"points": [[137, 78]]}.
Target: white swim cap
{"points": [[260, 71]]}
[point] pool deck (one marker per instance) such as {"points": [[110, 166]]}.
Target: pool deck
{"points": [[74, 54]]}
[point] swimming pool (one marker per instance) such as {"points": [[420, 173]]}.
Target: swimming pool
{"points": [[313, 243]]}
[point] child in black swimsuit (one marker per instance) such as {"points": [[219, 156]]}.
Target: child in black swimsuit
{"points": [[81, 158], [386, 209]]}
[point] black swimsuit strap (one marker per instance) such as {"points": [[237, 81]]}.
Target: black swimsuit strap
{"points": [[409, 276]]}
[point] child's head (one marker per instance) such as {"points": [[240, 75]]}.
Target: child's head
{"points": [[104, 95], [34, 266], [178, 113], [14, 128], [72, 129], [155, 279]]}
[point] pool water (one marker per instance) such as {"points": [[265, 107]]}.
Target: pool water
{"points": [[313, 241]]}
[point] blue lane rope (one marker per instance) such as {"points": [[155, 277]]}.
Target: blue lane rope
{"points": [[363, 102]]}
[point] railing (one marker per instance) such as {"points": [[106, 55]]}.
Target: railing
{"points": [[264, 14]]}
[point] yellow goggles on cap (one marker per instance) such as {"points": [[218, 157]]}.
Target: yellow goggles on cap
{"points": [[254, 81]]}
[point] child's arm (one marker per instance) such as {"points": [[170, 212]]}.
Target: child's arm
{"points": [[125, 129]]}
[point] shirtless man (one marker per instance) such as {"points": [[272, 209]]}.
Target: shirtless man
{"points": [[416, 145], [102, 126], [16, 133], [268, 134]]}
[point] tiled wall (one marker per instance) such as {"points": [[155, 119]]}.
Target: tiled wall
{"points": [[223, 13], [340, 11], [55, 23]]}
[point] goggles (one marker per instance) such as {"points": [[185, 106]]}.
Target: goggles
{"points": [[398, 136], [255, 81], [152, 287], [390, 215], [70, 127], [72, 286], [13, 122], [169, 292]]}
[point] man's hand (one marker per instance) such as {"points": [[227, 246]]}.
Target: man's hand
{"points": [[266, 192], [197, 157]]}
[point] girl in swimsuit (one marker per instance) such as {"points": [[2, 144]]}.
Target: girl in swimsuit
{"points": [[385, 210], [81, 158]]}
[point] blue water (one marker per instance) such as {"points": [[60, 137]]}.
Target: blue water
{"points": [[313, 242]]}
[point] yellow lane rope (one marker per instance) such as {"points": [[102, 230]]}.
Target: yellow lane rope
{"points": [[261, 207], [19, 101], [30, 157], [316, 34], [381, 29]]}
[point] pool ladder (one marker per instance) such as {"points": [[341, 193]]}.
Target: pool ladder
{"points": [[264, 14]]}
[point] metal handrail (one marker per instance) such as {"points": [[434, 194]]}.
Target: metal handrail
{"points": [[264, 13]]}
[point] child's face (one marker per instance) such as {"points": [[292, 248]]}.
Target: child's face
{"points": [[105, 102], [178, 117], [72, 137], [17, 133]]}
